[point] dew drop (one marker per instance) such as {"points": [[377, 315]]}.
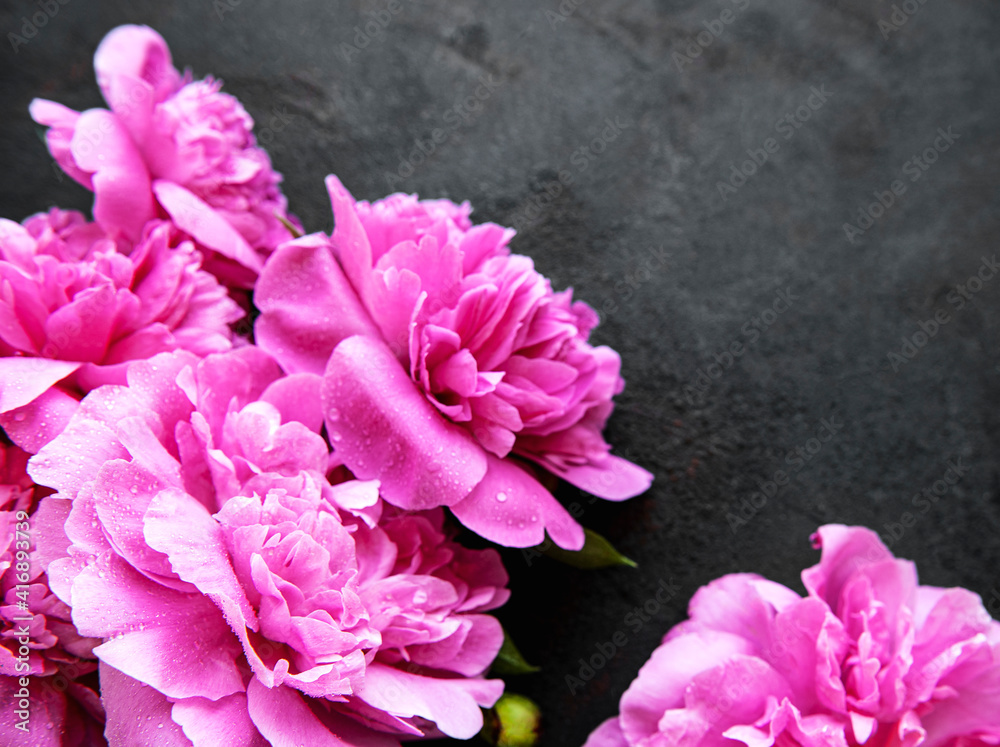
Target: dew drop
{"points": [[501, 496], [334, 415], [419, 596], [134, 490], [335, 435], [433, 467], [19, 417]]}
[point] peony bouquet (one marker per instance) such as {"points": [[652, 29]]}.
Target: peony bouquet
{"points": [[221, 538]]}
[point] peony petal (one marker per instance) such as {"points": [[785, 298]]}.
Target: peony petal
{"points": [[123, 202], [845, 551], [195, 217], [137, 52], [453, 705], [351, 240], [33, 426], [178, 643], [180, 527], [384, 428], [61, 122], [225, 721], [608, 734], [664, 679], [138, 714], [511, 508], [307, 306], [297, 398], [285, 720], [23, 379], [612, 478]]}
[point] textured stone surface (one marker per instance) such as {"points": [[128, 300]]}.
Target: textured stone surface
{"points": [[651, 200]]}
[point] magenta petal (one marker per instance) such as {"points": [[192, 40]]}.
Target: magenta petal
{"points": [[511, 508], [350, 239], [608, 734], [225, 721], [178, 643], [846, 550], [135, 52], [24, 379], [664, 679], [122, 198], [72, 459], [180, 527], [137, 714], [307, 306], [451, 704], [122, 492], [61, 122], [612, 478], [48, 522], [297, 398], [384, 428], [40, 421], [286, 721], [194, 216]]}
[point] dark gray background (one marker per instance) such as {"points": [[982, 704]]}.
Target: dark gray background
{"points": [[654, 190]]}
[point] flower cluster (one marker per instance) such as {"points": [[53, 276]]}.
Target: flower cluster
{"points": [[249, 539], [251, 573], [172, 148], [868, 657], [431, 336], [76, 306]]}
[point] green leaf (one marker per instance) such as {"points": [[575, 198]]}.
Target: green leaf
{"points": [[597, 552], [509, 660], [512, 722]]}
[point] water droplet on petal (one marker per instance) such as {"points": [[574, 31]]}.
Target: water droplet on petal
{"points": [[333, 415], [501, 496], [419, 596], [335, 435]]}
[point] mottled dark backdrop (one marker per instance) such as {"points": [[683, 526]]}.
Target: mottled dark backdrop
{"points": [[651, 110]]}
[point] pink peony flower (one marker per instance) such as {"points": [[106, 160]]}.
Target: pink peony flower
{"points": [[44, 661], [170, 147], [444, 356], [256, 598], [867, 658], [76, 308]]}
